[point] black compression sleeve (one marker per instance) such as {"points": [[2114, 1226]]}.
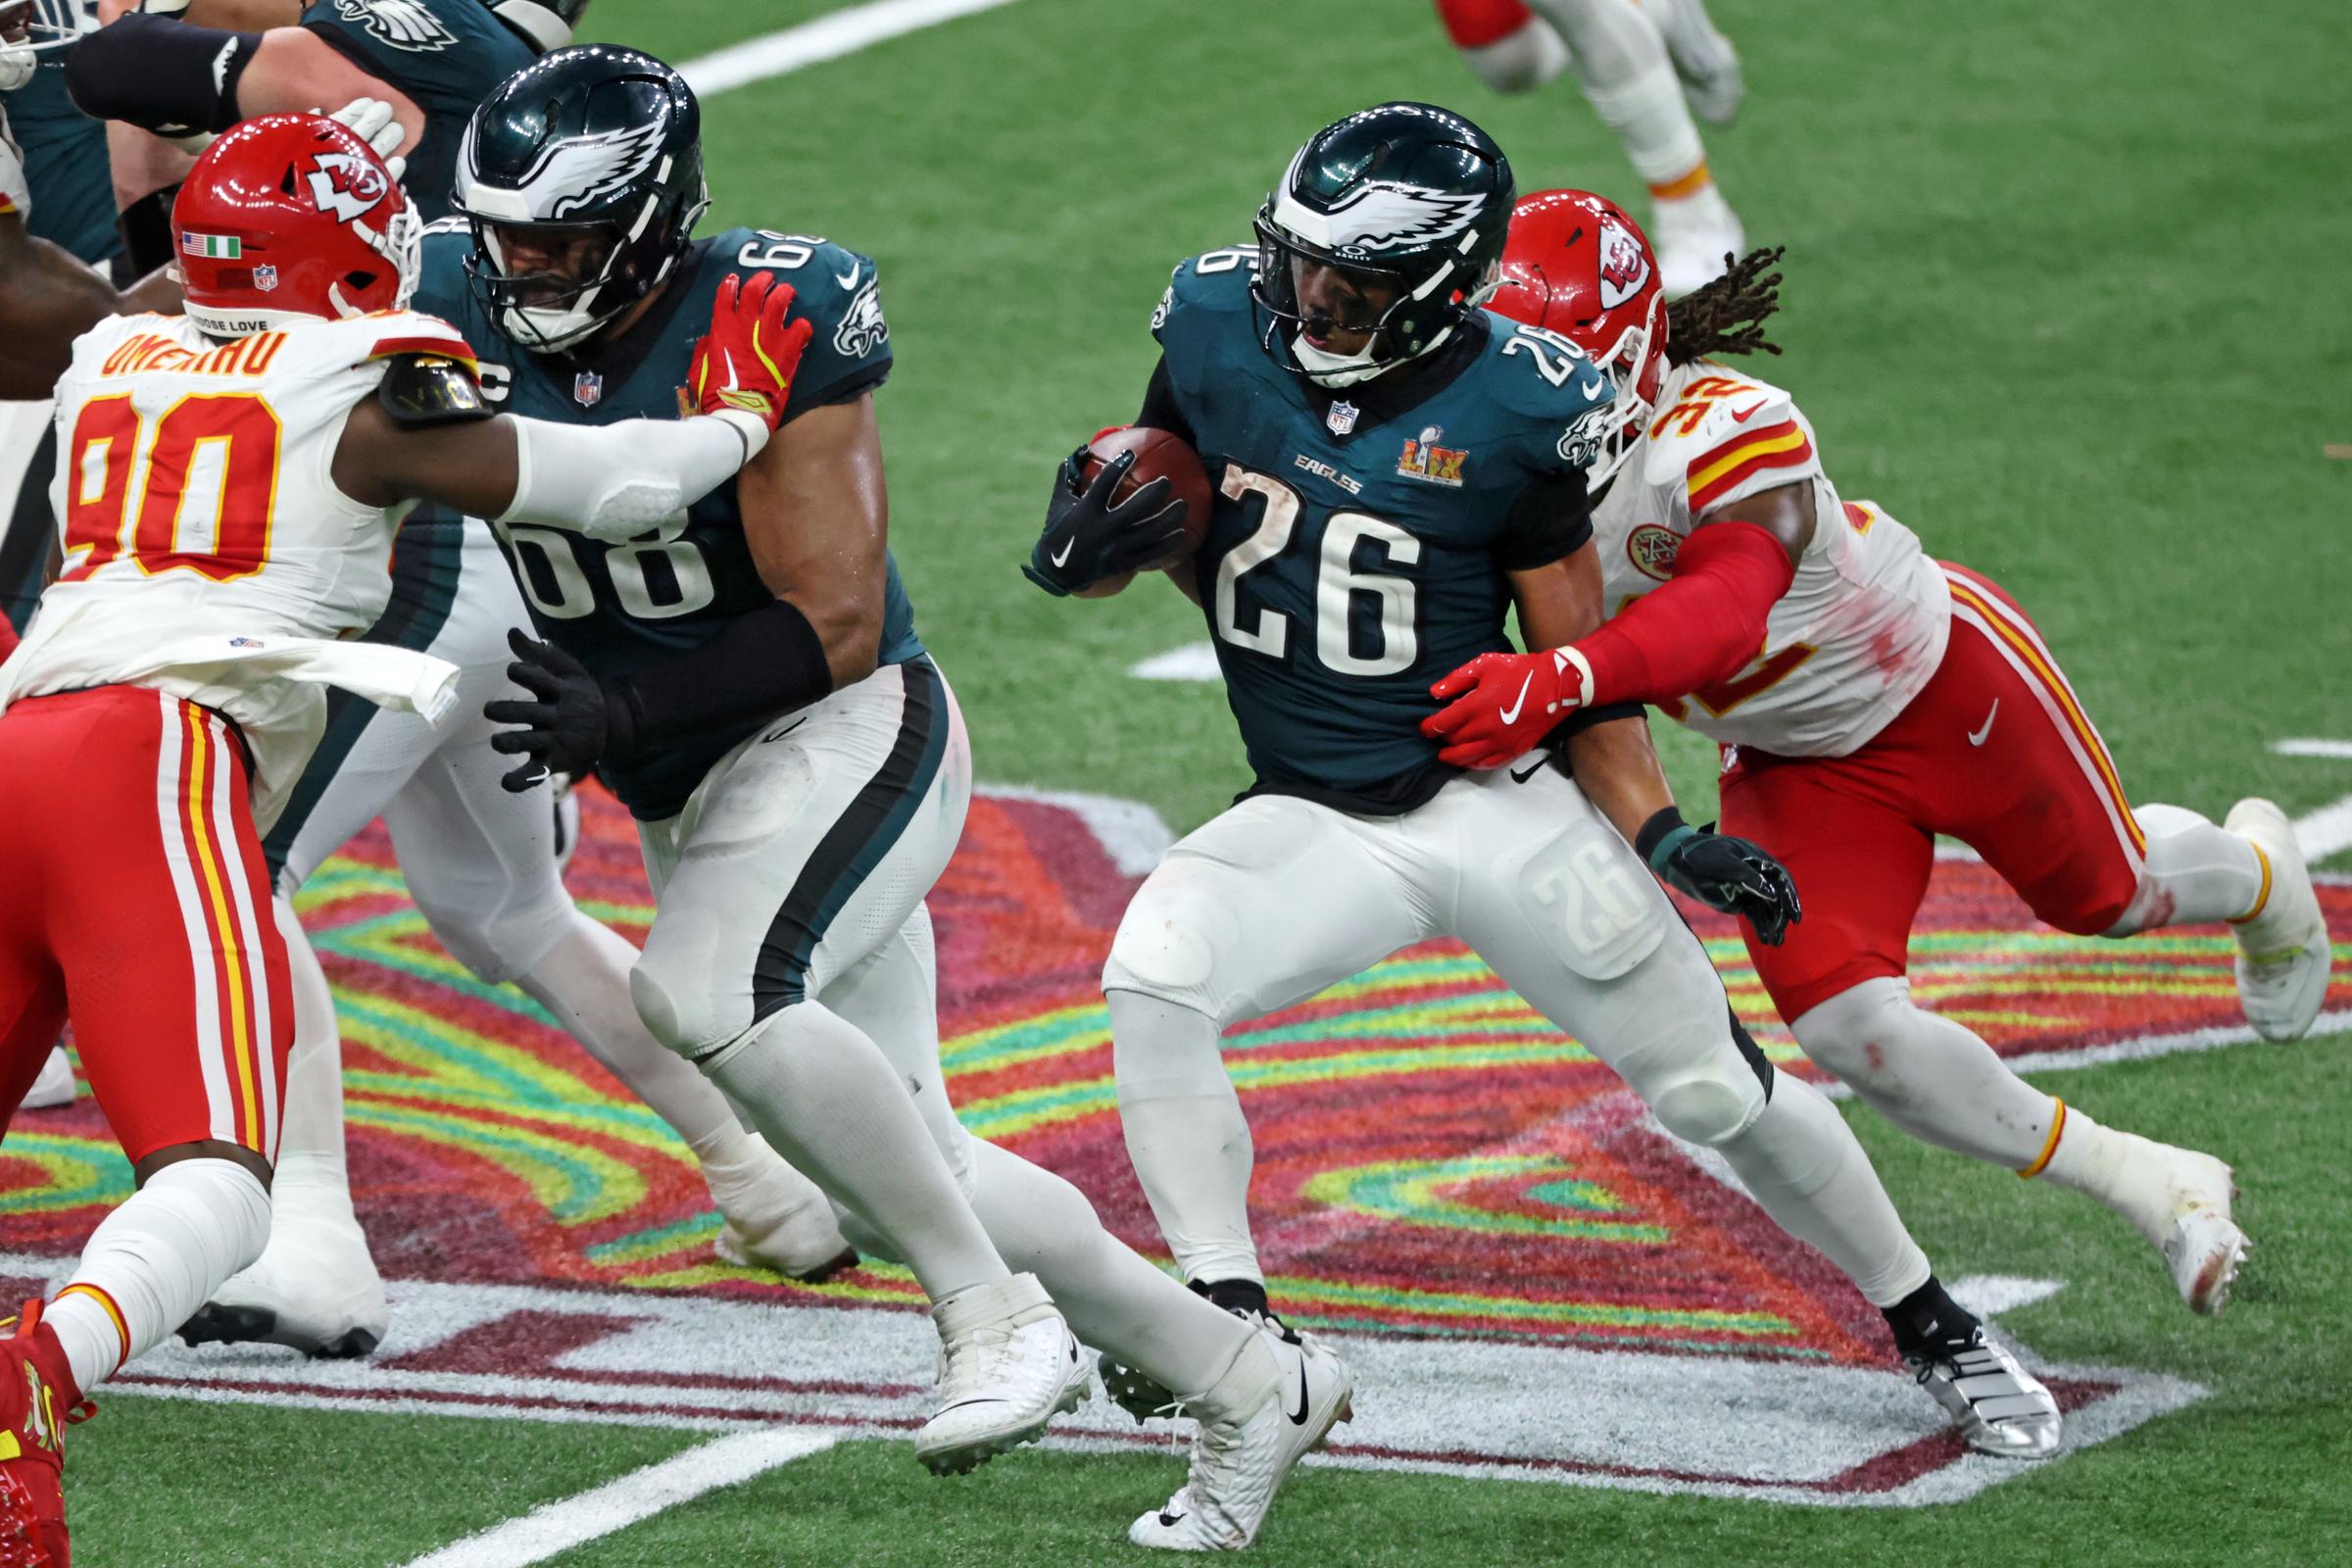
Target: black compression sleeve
{"points": [[1160, 412], [1550, 520], [767, 661], [159, 74]]}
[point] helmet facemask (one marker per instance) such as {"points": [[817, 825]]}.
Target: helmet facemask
{"points": [[1408, 326]]}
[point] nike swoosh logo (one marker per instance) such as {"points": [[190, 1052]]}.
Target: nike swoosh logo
{"points": [[1510, 714], [1062, 556], [1742, 416], [848, 279], [1299, 1416], [1533, 768], [779, 734], [1977, 738]]}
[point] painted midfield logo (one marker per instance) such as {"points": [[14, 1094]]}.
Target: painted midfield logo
{"points": [[398, 23]]}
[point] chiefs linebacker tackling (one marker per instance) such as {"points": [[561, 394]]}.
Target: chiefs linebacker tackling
{"points": [[1895, 698], [227, 495]]}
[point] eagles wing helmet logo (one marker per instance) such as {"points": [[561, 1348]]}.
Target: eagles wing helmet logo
{"points": [[1624, 269], [1384, 215], [346, 185], [398, 23], [582, 170], [862, 328]]}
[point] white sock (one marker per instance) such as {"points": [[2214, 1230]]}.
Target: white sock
{"points": [[827, 1100], [1930, 1076], [1186, 1133], [2121, 1170], [2195, 872], [310, 1160], [1621, 63], [1802, 1164], [1114, 1298], [155, 1260]]}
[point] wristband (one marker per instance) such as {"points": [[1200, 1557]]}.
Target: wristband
{"points": [[1661, 836]]}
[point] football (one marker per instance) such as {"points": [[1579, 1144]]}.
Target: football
{"points": [[1159, 454]]}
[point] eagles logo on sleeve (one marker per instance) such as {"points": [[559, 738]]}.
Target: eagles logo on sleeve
{"points": [[398, 23], [862, 328]]}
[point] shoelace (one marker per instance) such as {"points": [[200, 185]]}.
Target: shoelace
{"points": [[965, 1364]]}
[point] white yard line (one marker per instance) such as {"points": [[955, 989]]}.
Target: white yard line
{"points": [[558, 1526], [827, 37], [2340, 750]]}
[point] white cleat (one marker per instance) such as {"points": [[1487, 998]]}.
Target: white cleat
{"points": [[313, 1289], [2202, 1245], [2000, 1409], [2283, 952], [55, 1086], [1007, 1365], [1695, 236], [1249, 1439], [1703, 58], [776, 1218]]}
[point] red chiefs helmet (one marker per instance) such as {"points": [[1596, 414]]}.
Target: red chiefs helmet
{"points": [[289, 216], [1577, 265]]}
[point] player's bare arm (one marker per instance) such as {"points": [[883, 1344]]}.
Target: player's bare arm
{"points": [[48, 299], [817, 516], [1784, 511]]}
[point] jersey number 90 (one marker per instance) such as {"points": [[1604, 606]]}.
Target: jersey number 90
{"points": [[1337, 583]]}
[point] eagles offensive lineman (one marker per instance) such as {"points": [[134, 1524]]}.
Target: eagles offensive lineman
{"points": [[1395, 469], [746, 677]]}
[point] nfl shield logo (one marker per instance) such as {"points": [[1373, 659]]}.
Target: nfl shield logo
{"points": [[587, 389], [1342, 417], [265, 278]]}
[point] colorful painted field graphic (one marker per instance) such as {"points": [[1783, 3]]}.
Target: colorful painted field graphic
{"points": [[1440, 1175]]}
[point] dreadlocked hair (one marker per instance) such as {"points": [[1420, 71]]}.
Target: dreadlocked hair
{"points": [[1727, 316]]}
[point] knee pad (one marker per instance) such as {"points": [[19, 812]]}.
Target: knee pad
{"points": [[1709, 1107], [674, 1010], [502, 936], [1167, 946]]}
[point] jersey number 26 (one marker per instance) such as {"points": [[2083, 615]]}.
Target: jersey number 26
{"points": [[1337, 583]]}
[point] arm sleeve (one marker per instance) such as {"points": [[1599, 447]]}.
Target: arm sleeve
{"points": [[1700, 626], [613, 480], [1551, 519], [160, 75], [1160, 411]]}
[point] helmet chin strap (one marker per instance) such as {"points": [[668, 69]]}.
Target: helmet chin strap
{"points": [[1326, 369]]}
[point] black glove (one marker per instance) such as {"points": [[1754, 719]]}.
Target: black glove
{"points": [[1088, 539], [574, 721], [1723, 873]]}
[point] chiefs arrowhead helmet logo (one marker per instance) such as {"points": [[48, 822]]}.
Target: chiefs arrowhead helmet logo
{"points": [[1624, 264], [347, 186]]}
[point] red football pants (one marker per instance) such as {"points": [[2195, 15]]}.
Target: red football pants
{"points": [[1996, 752], [1476, 24], [136, 902]]}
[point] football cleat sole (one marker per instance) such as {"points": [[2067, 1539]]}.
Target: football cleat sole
{"points": [[215, 1324]]}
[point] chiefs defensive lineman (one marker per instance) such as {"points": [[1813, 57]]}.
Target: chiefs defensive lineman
{"points": [[228, 490], [1896, 697]]}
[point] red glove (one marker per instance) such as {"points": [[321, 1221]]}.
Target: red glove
{"points": [[746, 361], [1512, 701]]}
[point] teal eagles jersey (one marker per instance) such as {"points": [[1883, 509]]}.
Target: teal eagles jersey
{"points": [[620, 607], [65, 166], [447, 55], [1361, 537]]}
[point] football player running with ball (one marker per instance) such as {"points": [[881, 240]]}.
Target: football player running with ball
{"points": [[1395, 471], [745, 674], [1896, 697], [169, 692]]}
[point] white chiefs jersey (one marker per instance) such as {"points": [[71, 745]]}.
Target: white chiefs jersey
{"points": [[206, 551], [1863, 625]]}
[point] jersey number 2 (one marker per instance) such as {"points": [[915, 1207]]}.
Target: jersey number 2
{"points": [[1337, 583], [219, 451]]}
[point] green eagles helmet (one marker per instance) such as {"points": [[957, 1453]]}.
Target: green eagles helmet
{"points": [[1410, 195], [595, 139]]}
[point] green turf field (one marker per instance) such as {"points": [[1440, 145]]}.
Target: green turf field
{"points": [[2065, 293]]}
